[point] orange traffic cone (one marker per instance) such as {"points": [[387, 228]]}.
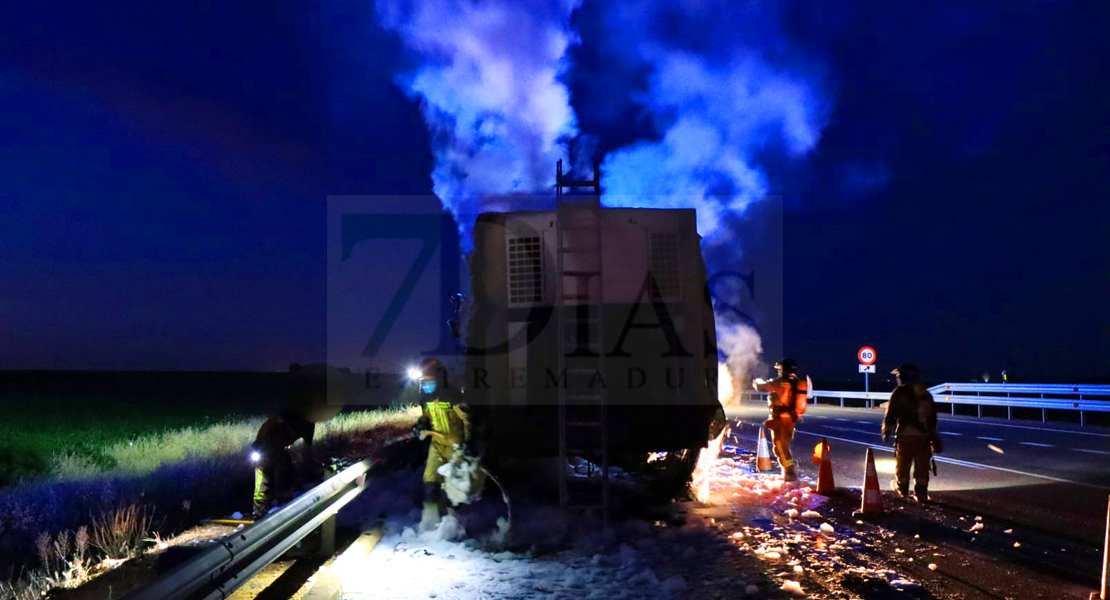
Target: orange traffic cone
{"points": [[763, 453], [872, 499], [825, 483]]}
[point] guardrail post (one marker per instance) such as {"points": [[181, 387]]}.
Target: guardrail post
{"points": [[1009, 413], [327, 537], [1082, 419], [1044, 415], [980, 407]]}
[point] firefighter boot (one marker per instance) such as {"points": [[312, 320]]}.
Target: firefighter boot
{"points": [[902, 491], [789, 473], [921, 493]]}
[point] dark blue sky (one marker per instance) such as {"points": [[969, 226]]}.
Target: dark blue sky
{"points": [[164, 172]]}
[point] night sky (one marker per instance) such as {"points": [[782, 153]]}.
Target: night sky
{"points": [[165, 171]]}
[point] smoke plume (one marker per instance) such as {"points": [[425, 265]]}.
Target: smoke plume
{"points": [[725, 89], [490, 90], [719, 83]]}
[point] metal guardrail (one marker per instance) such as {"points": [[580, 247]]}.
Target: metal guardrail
{"points": [[1081, 398], [1042, 389], [217, 572]]}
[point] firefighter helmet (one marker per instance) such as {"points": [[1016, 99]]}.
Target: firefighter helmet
{"points": [[906, 372], [431, 368], [788, 365]]}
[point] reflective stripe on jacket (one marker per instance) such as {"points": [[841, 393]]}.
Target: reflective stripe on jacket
{"points": [[450, 420]]}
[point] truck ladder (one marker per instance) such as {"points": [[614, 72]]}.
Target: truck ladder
{"points": [[583, 409]]}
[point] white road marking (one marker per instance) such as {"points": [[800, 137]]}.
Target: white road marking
{"points": [[1036, 444], [964, 463], [950, 433], [1091, 451], [841, 419], [972, 465], [1048, 429], [990, 439], [949, 418], [864, 422], [837, 428]]}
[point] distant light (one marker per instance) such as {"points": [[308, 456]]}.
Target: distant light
{"points": [[996, 448], [256, 456], [414, 373]]}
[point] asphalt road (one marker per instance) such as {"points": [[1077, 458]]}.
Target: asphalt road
{"points": [[1052, 477]]}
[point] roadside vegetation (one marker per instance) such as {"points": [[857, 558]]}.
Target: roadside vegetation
{"points": [[90, 486], [46, 435]]}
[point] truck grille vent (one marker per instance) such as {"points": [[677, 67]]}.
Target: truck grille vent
{"points": [[664, 264], [525, 270]]}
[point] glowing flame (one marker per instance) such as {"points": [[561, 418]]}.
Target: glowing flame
{"points": [[704, 470], [725, 391]]}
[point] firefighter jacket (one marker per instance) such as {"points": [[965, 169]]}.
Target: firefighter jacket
{"points": [[447, 418], [786, 398], [910, 412]]}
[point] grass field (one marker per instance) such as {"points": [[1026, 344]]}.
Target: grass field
{"points": [[72, 424], [44, 435], [71, 461]]}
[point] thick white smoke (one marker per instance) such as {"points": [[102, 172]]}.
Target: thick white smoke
{"points": [[713, 119], [489, 87], [744, 349], [718, 93]]}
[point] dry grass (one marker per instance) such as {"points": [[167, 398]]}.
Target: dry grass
{"points": [[65, 562], [146, 454], [120, 533], [70, 558]]}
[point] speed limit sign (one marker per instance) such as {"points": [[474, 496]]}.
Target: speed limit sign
{"points": [[866, 355]]}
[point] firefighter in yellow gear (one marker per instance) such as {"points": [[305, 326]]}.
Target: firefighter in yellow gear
{"points": [[786, 401], [444, 419], [314, 394]]}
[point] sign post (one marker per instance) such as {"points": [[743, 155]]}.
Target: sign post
{"points": [[866, 356]]}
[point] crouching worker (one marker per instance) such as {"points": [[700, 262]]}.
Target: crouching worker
{"points": [[446, 422], [314, 395], [911, 416]]}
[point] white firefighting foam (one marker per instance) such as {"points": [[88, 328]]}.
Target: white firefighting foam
{"points": [[790, 548], [729, 478]]}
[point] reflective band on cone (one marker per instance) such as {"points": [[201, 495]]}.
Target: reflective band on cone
{"points": [[872, 501], [763, 453], [825, 483]]}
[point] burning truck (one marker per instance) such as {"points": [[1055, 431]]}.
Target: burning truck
{"points": [[591, 347]]}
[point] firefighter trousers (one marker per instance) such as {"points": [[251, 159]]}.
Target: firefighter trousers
{"points": [[781, 437], [913, 451], [439, 453], [273, 479]]}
